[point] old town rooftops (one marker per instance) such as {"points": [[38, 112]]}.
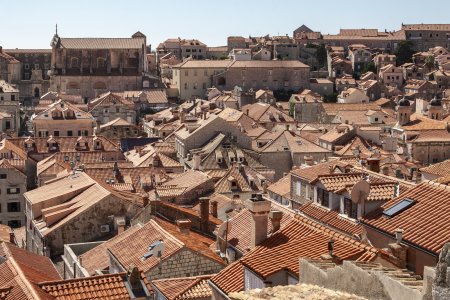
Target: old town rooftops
{"points": [[185, 288], [424, 222]]}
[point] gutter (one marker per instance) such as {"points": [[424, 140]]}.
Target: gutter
{"points": [[413, 245], [215, 287]]}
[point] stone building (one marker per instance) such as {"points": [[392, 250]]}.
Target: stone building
{"points": [[31, 74], [426, 36], [9, 104], [193, 78], [92, 66], [119, 128], [74, 208], [13, 183], [62, 118], [9, 67], [109, 107], [182, 48]]}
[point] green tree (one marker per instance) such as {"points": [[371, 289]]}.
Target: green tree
{"points": [[370, 67], [429, 62], [321, 55], [404, 52]]}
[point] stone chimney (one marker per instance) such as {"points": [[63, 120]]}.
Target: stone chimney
{"points": [[398, 251], [204, 214], [214, 209], [184, 226], [308, 160], [12, 238], [120, 221], [196, 160], [259, 208], [275, 217]]}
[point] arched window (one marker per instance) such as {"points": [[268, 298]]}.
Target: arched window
{"points": [[74, 62], [100, 62], [37, 93]]}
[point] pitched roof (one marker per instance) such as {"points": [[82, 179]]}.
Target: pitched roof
{"points": [[111, 286], [131, 249], [97, 258], [65, 109], [23, 270], [103, 43], [110, 99], [185, 288], [424, 223], [301, 237], [282, 187], [440, 169]]}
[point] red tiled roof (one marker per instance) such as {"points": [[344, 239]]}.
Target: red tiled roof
{"points": [[111, 286], [440, 169], [424, 223], [184, 288], [331, 218], [300, 238]]}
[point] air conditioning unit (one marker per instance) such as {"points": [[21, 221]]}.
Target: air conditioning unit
{"points": [[104, 228]]}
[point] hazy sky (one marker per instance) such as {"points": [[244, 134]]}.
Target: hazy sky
{"points": [[31, 23]]}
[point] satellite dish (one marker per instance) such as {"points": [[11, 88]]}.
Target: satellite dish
{"points": [[360, 191]]}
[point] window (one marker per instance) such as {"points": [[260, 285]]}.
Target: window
{"points": [[13, 206], [350, 208], [398, 208], [36, 66], [323, 197], [195, 85], [186, 73], [186, 86], [376, 119], [8, 125], [204, 85], [14, 223], [11, 191], [56, 133], [3, 176], [205, 72], [13, 97], [27, 66], [69, 133], [286, 83]]}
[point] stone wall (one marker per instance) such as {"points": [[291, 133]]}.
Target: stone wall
{"points": [[185, 263], [362, 281]]}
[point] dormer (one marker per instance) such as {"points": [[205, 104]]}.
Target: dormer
{"points": [[233, 182], [219, 157], [97, 143], [69, 114], [82, 143], [56, 114], [52, 144], [30, 144]]}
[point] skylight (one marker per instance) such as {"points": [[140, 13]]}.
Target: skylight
{"points": [[398, 208]]}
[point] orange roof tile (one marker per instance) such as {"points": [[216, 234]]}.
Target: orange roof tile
{"points": [[440, 169], [424, 223], [111, 286], [185, 288]]}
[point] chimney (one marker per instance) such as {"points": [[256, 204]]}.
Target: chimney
{"points": [[184, 226], [275, 217], [214, 208], [398, 251], [12, 237], [385, 170], [196, 162], [182, 116], [204, 214], [399, 235], [259, 208], [308, 160], [120, 221]]}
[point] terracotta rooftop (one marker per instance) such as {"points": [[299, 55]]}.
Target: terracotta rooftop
{"points": [[131, 249], [185, 288], [23, 270], [103, 43], [282, 187], [424, 223], [301, 237], [440, 169], [110, 99], [97, 258]]}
